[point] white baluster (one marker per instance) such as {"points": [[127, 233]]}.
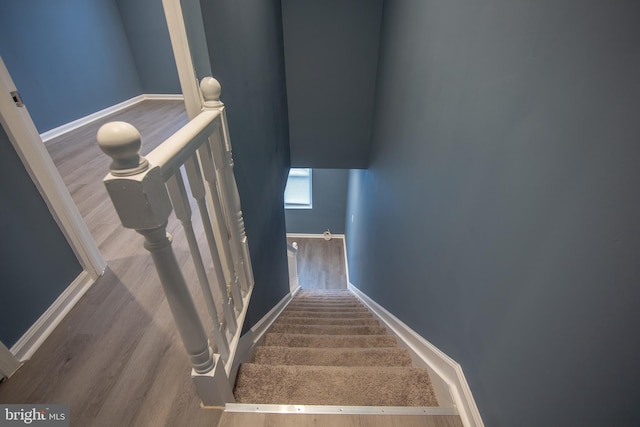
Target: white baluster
{"points": [[181, 206], [198, 191], [209, 173], [223, 160], [140, 198]]}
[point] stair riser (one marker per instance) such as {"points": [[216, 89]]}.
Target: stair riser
{"points": [[366, 357], [329, 309], [328, 298], [324, 304], [325, 308], [356, 315], [318, 385], [323, 341]]}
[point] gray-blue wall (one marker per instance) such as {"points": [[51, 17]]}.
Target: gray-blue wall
{"points": [[36, 261], [245, 47], [329, 193], [331, 52], [68, 58], [148, 37], [499, 217]]}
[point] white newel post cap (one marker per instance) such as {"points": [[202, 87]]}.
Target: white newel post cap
{"points": [[211, 91], [121, 141]]}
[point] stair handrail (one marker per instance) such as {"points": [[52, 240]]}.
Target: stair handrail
{"points": [[145, 190]]}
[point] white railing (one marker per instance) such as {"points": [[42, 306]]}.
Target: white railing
{"points": [[292, 258], [144, 191]]}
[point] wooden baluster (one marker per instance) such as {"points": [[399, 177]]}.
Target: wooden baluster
{"points": [[235, 196], [223, 159], [140, 198], [181, 206], [208, 171], [198, 191]]}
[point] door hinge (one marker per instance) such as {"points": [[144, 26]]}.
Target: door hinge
{"points": [[17, 99]]}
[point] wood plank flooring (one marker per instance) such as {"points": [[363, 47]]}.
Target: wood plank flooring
{"points": [[321, 263], [116, 358]]}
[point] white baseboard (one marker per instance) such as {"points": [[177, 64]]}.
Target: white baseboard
{"points": [[164, 96], [253, 335], [44, 326], [313, 236], [346, 259], [445, 367], [67, 127]]}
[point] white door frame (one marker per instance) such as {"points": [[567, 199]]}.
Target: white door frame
{"points": [[182, 54], [26, 140]]}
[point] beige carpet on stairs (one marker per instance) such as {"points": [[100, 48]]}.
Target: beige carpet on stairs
{"points": [[326, 348]]}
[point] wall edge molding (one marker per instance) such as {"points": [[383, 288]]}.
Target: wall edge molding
{"points": [[75, 124], [164, 96], [444, 366], [31, 340]]}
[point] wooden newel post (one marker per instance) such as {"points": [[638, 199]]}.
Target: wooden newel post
{"points": [[140, 197], [223, 159]]}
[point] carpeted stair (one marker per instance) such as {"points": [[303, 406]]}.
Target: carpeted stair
{"points": [[326, 348]]}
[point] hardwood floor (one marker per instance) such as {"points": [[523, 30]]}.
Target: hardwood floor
{"points": [[116, 358], [83, 165], [321, 263]]}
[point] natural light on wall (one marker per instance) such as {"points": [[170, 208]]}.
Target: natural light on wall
{"points": [[297, 193]]}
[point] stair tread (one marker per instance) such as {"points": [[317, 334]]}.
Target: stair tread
{"points": [[309, 340], [328, 309], [323, 305], [326, 301], [344, 315], [366, 356], [328, 329], [325, 321], [334, 385]]}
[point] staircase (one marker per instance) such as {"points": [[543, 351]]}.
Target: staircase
{"points": [[326, 348]]}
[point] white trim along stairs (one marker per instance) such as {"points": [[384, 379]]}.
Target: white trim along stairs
{"points": [[441, 365], [442, 369], [448, 379]]}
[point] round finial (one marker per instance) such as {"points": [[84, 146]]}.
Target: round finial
{"points": [[122, 141], [211, 90]]}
